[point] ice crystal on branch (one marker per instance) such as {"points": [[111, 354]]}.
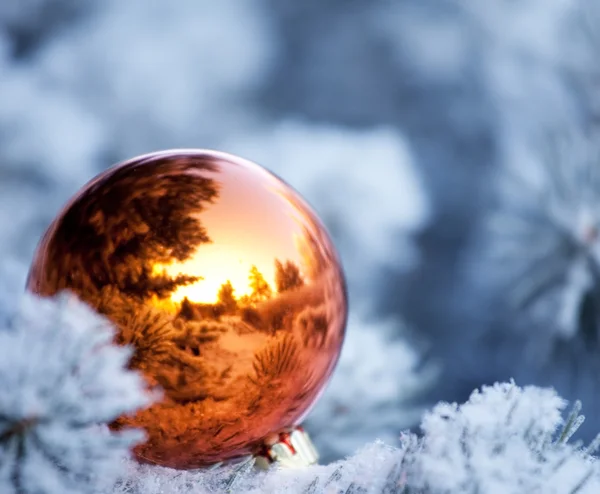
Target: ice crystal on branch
{"points": [[61, 381], [505, 439]]}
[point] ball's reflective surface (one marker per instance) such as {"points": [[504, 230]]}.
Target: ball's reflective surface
{"points": [[225, 283]]}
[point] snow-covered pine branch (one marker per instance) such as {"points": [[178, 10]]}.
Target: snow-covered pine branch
{"points": [[543, 239], [504, 439], [61, 381]]}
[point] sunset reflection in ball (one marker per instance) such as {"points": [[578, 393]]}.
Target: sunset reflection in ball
{"points": [[224, 282]]}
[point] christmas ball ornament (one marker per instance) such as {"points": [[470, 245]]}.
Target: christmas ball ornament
{"points": [[226, 285]]}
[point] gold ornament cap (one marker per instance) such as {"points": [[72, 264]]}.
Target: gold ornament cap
{"points": [[290, 448]]}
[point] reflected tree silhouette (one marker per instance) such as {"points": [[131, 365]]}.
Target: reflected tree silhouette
{"points": [[287, 276], [314, 258], [261, 290], [275, 361], [192, 311], [313, 324], [227, 299], [187, 310], [136, 218], [146, 329]]}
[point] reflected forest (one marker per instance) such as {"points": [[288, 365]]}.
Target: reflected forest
{"points": [[238, 318]]}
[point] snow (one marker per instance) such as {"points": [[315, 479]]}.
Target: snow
{"points": [[502, 440], [71, 382]]}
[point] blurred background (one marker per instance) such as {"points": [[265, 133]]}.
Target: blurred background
{"points": [[449, 146]]}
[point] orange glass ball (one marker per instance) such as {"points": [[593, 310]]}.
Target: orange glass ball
{"points": [[223, 281]]}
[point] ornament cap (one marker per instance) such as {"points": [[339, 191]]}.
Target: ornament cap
{"points": [[293, 449]]}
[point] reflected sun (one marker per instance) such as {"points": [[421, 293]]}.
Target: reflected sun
{"points": [[251, 223], [215, 264]]}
